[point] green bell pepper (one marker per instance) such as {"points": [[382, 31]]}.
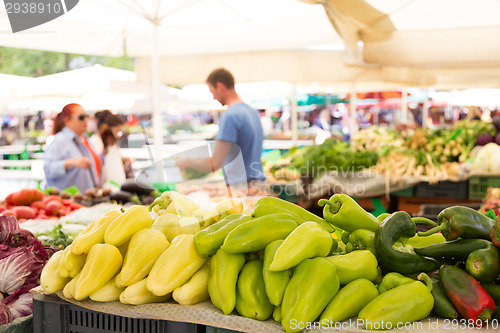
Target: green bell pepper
{"points": [[407, 302], [210, 239], [345, 213], [355, 265], [313, 285], [392, 280], [348, 302], [394, 227], [272, 205], [255, 234], [275, 282], [463, 222], [251, 298], [308, 240], [224, 270], [362, 239]]}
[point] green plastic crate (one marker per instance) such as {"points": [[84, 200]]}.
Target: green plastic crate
{"points": [[478, 186]]}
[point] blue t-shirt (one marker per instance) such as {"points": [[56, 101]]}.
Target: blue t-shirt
{"points": [[241, 125]]}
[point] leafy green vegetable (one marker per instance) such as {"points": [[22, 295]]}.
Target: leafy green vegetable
{"points": [[56, 238]]}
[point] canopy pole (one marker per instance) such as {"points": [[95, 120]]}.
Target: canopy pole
{"points": [[353, 128], [157, 116], [294, 115], [425, 110], [404, 106]]}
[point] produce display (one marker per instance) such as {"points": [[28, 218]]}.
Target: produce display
{"points": [[22, 258], [303, 270], [34, 204]]}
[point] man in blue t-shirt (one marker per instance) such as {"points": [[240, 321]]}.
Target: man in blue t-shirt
{"points": [[240, 129]]}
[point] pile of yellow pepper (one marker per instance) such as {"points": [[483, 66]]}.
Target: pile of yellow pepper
{"points": [[135, 258]]}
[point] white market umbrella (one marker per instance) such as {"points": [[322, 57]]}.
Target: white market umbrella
{"points": [[154, 27]]}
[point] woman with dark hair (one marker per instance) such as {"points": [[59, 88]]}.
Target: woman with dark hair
{"points": [[109, 131], [70, 159]]}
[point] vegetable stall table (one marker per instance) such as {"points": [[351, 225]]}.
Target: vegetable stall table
{"points": [[54, 314]]}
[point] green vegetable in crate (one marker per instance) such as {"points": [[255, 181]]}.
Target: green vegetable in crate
{"points": [[308, 240], [348, 302], [393, 228], [209, 240], [251, 298], [344, 212], [408, 302], [469, 298], [355, 265], [272, 205], [313, 285], [275, 282], [256, 234], [464, 222], [224, 271]]}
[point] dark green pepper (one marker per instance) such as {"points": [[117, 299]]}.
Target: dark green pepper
{"points": [[443, 307], [275, 282], [407, 302], [494, 291], [453, 251], [345, 213], [394, 227], [362, 239], [224, 271], [464, 222], [348, 302], [355, 265], [210, 239], [255, 234], [392, 280], [272, 205], [313, 285], [484, 264], [251, 297], [308, 240]]}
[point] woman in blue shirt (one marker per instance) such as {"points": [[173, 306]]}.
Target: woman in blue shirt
{"points": [[70, 159]]}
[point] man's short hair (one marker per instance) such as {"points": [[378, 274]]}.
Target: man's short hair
{"points": [[223, 76]]}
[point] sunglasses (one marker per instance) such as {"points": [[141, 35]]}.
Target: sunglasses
{"points": [[82, 117]]}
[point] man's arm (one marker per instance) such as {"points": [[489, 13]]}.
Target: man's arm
{"points": [[222, 149]]}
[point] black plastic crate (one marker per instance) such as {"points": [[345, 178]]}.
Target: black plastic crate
{"points": [[445, 189], [53, 315], [431, 211]]}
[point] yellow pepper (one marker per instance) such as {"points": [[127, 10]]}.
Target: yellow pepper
{"points": [[71, 264], [137, 294], [196, 289], [50, 280], [180, 204], [126, 225], [69, 288], [174, 266], [144, 248], [228, 207], [205, 217], [107, 293], [103, 262], [94, 233], [172, 226]]}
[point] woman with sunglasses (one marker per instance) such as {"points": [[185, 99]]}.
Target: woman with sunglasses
{"points": [[70, 159]]}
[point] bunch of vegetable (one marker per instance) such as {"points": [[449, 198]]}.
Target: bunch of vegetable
{"points": [[33, 204], [22, 258], [331, 155]]}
